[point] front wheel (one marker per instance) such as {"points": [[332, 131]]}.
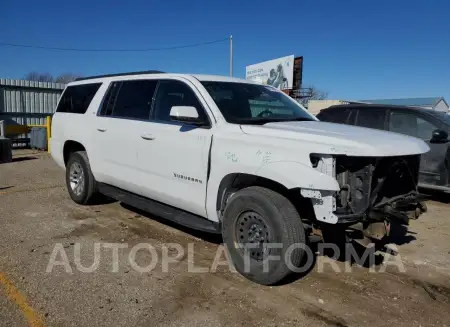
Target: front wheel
{"points": [[79, 179], [264, 235]]}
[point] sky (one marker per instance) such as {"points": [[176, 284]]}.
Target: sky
{"points": [[352, 49]]}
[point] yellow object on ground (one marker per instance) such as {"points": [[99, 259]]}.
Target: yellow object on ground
{"points": [[11, 129], [49, 132], [14, 295]]}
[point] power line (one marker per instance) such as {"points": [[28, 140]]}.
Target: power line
{"points": [[111, 50]]}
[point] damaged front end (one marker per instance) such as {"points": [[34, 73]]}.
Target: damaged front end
{"points": [[377, 188], [373, 192]]}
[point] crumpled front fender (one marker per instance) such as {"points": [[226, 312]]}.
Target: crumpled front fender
{"points": [[296, 175]]}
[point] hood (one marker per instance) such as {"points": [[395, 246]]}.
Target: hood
{"points": [[334, 138]]}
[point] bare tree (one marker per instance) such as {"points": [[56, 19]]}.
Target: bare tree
{"points": [[66, 78], [39, 77], [32, 76], [46, 77], [317, 94], [313, 94]]}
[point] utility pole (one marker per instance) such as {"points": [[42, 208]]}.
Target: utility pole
{"points": [[231, 55]]}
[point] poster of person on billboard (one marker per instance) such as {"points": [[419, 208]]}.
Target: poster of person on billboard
{"points": [[278, 73]]}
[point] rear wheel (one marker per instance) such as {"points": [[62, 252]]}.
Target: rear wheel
{"points": [[79, 179], [263, 234]]}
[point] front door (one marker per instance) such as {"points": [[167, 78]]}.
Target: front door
{"points": [[433, 170], [172, 156]]}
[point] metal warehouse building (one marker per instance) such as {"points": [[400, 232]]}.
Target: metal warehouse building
{"points": [[28, 102]]}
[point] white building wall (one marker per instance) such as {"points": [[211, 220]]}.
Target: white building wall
{"points": [[441, 106], [314, 106]]}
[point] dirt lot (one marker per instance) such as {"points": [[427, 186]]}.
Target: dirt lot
{"points": [[36, 215]]}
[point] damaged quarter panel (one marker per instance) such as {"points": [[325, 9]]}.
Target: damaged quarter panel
{"points": [[236, 152]]}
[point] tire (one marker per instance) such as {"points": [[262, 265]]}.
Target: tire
{"points": [[87, 189], [246, 212]]}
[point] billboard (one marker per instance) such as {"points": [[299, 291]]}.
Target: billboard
{"points": [[277, 72]]}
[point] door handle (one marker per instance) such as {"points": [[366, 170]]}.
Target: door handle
{"points": [[148, 137], [101, 129]]}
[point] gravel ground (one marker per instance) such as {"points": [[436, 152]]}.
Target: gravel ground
{"points": [[37, 218]]}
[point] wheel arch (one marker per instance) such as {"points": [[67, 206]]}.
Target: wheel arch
{"points": [[234, 182], [71, 146]]}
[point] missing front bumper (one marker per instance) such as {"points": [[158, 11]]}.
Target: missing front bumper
{"points": [[371, 189], [401, 209]]}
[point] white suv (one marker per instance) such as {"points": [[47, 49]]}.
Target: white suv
{"points": [[235, 157]]}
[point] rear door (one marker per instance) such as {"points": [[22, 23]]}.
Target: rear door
{"points": [[125, 111], [433, 170]]}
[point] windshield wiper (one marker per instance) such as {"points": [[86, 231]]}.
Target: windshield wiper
{"points": [[298, 119]]}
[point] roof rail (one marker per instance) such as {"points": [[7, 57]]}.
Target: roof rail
{"points": [[121, 74]]}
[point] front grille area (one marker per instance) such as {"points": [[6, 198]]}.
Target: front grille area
{"points": [[368, 181]]}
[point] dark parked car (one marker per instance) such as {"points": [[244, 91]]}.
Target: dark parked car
{"points": [[431, 126]]}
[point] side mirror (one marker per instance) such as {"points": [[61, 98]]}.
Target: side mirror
{"points": [[185, 114], [439, 136]]}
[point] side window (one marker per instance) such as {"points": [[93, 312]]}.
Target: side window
{"points": [[352, 117], [425, 129], [110, 99], [410, 124], [371, 118], [76, 98], [175, 93], [134, 99], [334, 116]]}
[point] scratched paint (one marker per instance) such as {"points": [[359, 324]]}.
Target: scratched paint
{"points": [[265, 156], [14, 295], [231, 156]]}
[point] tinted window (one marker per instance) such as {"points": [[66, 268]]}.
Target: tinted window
{"points": [[447, 118], [352, 116], [371, 118], [244, 103], [76, 98], [110, 99], [334, 116], [441, 116], [410, 124], [134, 99], [425, 129], [175, 93]]}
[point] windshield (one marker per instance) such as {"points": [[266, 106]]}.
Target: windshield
{"points": [[243, 103]]}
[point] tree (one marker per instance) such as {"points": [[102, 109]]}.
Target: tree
{"points": [[47, 77], [313, 93], [39, 77], [66, 78], [317, 94]]}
